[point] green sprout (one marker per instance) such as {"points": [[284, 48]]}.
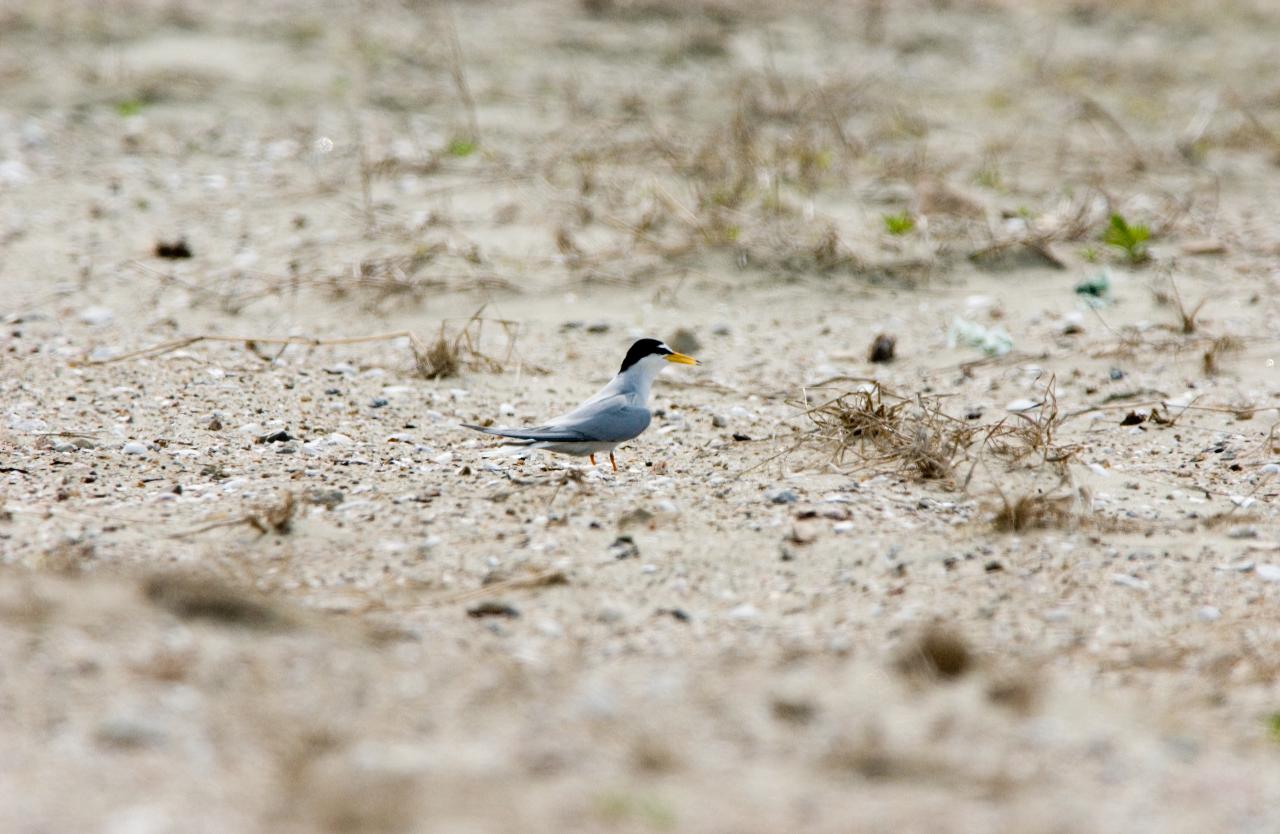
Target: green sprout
{"points": [[1131, 238], [129, 107], [899, 224], [461, 147], [1273, 726]]}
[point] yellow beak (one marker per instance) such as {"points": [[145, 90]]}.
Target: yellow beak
{"points": [[681, 359]]}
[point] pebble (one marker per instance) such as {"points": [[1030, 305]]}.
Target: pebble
{"points": [[341, 369], [719, 421], [506, 409], [329, 498], [1129, 581], [1022, 405], [745, 612], [133, 447], [624, 547], [1243, 532], [782, 496], [493, 608], [610, 614], [443, 458], [96, 316], [1267, 572], [1208, 613], [378, 402]]}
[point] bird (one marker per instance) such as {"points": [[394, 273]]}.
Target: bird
{"points": [[617, 413]]}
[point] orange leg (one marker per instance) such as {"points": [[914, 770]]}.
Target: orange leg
{"points": [[614, 462], [593, 459]]}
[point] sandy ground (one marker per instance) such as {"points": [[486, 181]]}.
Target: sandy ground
{"points": [[251, 585]]}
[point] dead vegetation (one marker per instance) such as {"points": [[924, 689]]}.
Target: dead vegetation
{"points": [[448, 355], [884, 430], [1035, 511]]}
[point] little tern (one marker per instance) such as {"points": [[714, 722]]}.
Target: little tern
{"points": [[617, 413]]}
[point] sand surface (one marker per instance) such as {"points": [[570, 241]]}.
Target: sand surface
{"points": [[254, 578]]}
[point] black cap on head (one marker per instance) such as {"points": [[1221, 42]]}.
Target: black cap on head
{"points": [[643, 348]]}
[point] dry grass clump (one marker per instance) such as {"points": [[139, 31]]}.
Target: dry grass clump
{"points": [[1033, 435], [878, 425], [883, 428], [448, 355], [1219, 348], [1034, 512]]}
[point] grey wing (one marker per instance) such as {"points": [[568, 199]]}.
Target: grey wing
{"points": [[532, 434], [610, 420]]}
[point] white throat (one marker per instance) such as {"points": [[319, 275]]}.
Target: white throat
{"points": [[637, 381]]}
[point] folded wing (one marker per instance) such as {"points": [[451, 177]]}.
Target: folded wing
{"points": [[609, 420]]}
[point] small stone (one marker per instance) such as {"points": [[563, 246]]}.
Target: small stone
{"points": [[883, 349], [719, 421], [1267, 572], [1023, 405], [610, 614], [172, 250], [781, 496], [378, 402], [624, 547], [281, 436], [214, 424], [1208, 614], [598, 327], [506, 409], [637, 516], [739, 437], [1129, 581], [744, 612], [96, 316], [1243, 532], [493, 608], [133, 447]]}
